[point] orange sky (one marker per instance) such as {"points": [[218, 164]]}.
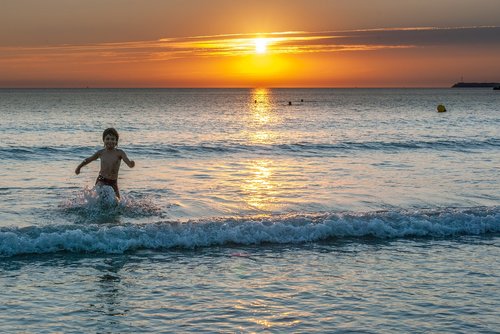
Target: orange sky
{"points": [[197, 43]]}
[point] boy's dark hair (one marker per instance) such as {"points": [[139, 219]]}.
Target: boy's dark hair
{"points": [[110, 131]]}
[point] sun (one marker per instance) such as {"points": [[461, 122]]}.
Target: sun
{"points": [[260, 45]]}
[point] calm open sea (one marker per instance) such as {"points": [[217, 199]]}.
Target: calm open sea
{"points": [[265, 210]]}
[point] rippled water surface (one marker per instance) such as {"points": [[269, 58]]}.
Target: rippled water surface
{"points": [[368, 285], [278, 210]]}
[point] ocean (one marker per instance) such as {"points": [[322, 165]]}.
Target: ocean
{"points": [[251, 210]]}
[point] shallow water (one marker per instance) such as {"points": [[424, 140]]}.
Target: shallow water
{"points": [[350, 210], [349, 285]]}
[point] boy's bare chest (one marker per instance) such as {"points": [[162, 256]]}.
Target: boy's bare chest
{"points": [[110, 158]]}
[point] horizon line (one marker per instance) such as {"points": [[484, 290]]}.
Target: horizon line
{"points": [[244, 87]]}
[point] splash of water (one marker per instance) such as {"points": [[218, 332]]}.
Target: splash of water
{"points": [[100, 204]]}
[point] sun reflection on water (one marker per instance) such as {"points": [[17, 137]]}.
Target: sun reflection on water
{"points": [[261, 108], [262, 118], [261, 189]]}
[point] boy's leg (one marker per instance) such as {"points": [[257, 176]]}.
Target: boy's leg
{"points": [[107, 182]]}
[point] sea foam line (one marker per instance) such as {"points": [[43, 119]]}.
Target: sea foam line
{"points": [[227, 147], [298, 228]]}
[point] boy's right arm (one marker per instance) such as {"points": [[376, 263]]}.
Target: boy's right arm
{"points": [[87, 161]]}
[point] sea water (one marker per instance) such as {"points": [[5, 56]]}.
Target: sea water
{"points": [[251, 210]]}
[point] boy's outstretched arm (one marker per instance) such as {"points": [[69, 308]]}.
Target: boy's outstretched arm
{"points": [[87, 161], [130, 163]]}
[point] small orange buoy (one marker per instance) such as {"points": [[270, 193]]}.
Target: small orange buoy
{"points": [[441, 108]]}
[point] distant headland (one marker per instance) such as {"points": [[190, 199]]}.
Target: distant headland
{"points": [[475, 85]]}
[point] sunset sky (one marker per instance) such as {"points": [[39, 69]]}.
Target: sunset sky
{"points": [[232, 43]]}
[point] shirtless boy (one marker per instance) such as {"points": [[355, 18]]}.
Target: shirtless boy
{"points": [[110, 161]]}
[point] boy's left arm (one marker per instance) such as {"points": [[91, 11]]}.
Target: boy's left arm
{"points": [[130, 163]]}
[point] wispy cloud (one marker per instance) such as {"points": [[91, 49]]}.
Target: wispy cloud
{"points": [[231, 45]]}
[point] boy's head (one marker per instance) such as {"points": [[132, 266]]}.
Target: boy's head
{"points": [[110, 131]]}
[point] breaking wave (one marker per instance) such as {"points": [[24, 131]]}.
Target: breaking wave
{"points": [[228, 147], [292, 228]]}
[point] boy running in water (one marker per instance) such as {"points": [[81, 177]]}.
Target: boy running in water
{"points": [[111, 158]]}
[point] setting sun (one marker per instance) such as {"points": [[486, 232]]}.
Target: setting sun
{"points": [[310, 44], [260, 45]]}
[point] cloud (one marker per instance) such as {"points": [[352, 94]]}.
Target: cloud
{"points": [[230, 45]]}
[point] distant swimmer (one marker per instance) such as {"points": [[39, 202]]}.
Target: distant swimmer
{"points": [[111, 158], [289, 103]]}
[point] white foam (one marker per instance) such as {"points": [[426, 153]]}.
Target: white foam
{"points": [[99, 204], [280, 229]]}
